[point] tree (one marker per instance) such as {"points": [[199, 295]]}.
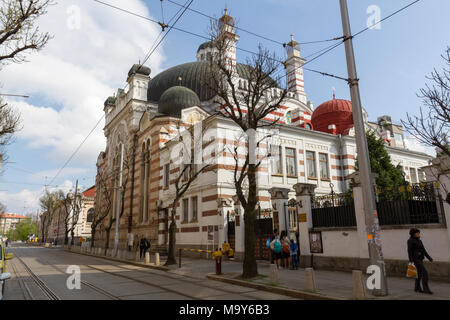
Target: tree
{"points": [[18, 31], [9, 124], [50, 202], [71, 206], [248, 109], [18, 35], [432, 126], [22, 230], [103, 202], [189, 173], [390, 177]]}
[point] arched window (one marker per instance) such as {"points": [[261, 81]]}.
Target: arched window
{"points": [[90, 215], [308, 126], [288, 117]]}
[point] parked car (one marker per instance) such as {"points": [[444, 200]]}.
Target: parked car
{"points": [[3, 274]]}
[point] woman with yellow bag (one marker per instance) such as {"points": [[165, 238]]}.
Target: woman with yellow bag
{"points": [[416, 254]]}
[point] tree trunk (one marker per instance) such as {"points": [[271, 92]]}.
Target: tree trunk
{"points": [[92, 237], [72, 234], [172, 241], [108, 231], [250, 268]]}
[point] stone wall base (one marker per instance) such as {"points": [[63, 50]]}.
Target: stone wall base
{"points": [[437, 270]]}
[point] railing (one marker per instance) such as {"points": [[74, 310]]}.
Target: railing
{"points": [[334, 210], [411, 204]]}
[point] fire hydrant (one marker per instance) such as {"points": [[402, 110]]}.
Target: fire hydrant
{"points": [[217, 255]]}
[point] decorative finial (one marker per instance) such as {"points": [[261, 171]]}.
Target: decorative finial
{"points": [[226, 10], [334, 94], [292, 37]]}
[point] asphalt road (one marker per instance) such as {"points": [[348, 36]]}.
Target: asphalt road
{"points": [[42, 274]]}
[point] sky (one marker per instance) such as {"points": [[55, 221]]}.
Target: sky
{"points": [[94, 46]]}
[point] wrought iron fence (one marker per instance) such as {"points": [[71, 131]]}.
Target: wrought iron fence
{"points": [[333, 210], [412, 204]]}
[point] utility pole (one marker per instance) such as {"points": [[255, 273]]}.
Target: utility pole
{"points": [[119, 200], [371, 216], [75, 203]]}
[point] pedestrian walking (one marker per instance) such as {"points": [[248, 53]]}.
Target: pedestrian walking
{"points": [[147, 245], [6, 242], [142, 244], [416, 254], [276, 248], [293, 250], [285, 253]]}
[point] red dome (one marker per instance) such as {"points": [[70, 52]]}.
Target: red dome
{"points": [[337, 112]]}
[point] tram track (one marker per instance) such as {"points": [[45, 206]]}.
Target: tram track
{"points": [[41, 284]]}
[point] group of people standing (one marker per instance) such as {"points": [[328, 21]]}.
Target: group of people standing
{"points": [[284, 251]]}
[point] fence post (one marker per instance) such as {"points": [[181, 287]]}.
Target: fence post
{"points": [[360, 217], [179, 258], [279, 199], [147, 257], [304, 192], [157, 262]]}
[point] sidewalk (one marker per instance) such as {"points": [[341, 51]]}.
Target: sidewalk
{"points": [[329, 283]]}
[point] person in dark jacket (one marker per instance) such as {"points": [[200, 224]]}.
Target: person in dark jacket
{"points": [[416, 254]]}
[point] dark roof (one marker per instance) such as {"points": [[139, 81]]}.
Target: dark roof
{"points": [[193, 75], [140, 69], [208, 44], [176, 98]]}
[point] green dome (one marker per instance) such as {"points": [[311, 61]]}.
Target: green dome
{"points": [[175, 99], [193, 75]]}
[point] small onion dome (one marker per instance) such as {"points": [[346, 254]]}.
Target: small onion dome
{"points": [[336, 112], [140, 69], [175, 99], [226, 19], [206, 45], [111, 101]]}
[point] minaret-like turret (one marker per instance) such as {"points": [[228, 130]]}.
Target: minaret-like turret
{"points": [[294, 70], [226, 25]]}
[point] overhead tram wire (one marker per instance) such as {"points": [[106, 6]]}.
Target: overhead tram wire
{"points": [[76, 150], [250, 32], [98, 122], [208, 39], [332, 47]]}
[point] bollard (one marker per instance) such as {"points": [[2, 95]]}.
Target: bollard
{"points": [[157, 262], [359, 290], [273, 273], [219, 265], [137, 256], [147, 257], [310, 280], [179, 258]]}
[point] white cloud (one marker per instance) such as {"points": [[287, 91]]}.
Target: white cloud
{"points": [[93, 48], [27, 201]]}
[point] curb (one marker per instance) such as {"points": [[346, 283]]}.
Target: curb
{"points": [[284, 291], [149, 266]]}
